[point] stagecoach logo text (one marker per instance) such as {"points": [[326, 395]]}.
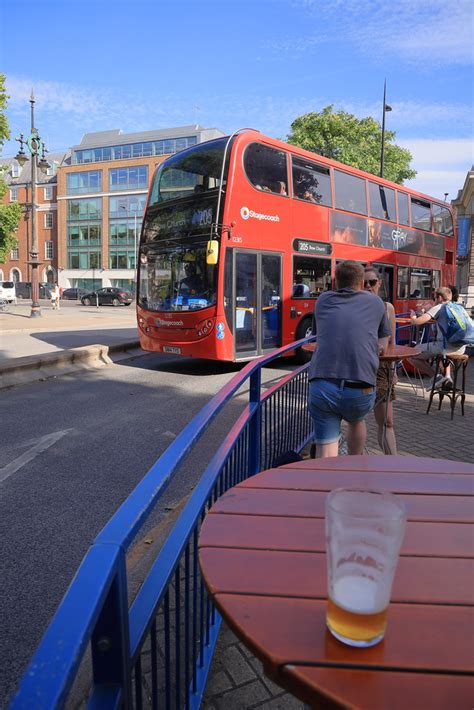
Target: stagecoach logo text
{"points": [[173, 323], [245, 213]]}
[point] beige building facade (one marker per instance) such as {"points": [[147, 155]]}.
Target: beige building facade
{"points": [[90, 206], [102, 190], [464, 204]]}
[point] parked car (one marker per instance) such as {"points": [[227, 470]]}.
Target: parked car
{"points": [[23, 289], [107, 296], [73, 294], [7, 291]]}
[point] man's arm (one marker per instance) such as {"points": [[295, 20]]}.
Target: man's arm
{"points": [[420, 320]]}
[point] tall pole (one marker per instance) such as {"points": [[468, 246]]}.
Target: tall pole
{"points": [[135, 233], [386, 108], [35, 306], [36, 148]]}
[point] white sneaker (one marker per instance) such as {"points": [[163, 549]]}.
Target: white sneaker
{"points": [[440, 379]]}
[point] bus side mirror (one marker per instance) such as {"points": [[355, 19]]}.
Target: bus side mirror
{"points": [[212, 251]]}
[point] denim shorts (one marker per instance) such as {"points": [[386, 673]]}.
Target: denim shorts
{"points": [[329, 402]]}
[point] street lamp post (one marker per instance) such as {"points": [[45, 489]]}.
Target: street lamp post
{"points": [[37, 151], [386, 108]]}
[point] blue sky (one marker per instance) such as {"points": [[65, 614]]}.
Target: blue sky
{"points": [[146, 64]]}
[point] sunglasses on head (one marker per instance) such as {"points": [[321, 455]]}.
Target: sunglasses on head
{"points": [[370, 282]]}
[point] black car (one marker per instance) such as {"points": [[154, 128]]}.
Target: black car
{"points": [[107, 296], [23, 289], [73, 294]]}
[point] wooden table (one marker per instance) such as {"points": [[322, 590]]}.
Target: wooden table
{"points": [[262, 555]]}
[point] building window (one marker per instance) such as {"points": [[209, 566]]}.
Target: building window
{"points": [[122, 258], [13, 194], [48, 220], [127, 206], [84, 259], [15, 254], [134, 150], [48, 250], [50, 169], [15, 170], [79, 235], [48, 192], [82, 183], [84, 209], [128, 178]]}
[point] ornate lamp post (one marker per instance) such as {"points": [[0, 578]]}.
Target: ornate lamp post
{"points": [[37, 151], [386, 108]]}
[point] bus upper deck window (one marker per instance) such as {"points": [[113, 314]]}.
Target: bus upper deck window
{"points": [[350, 192], [403, 211], [311, 182], [442, 220], [266, 168], [382, 202], [420, 214]]}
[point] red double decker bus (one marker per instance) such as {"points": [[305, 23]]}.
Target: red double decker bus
{"points": [[241, 234]]}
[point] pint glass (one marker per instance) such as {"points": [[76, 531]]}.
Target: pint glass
{"points": [[364, 532]]}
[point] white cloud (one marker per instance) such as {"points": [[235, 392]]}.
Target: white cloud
{"points": [[419, 31], [437, 183], [441, 165], [429, 152]]}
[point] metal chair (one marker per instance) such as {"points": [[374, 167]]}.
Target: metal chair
{"points": [[458, 364]]}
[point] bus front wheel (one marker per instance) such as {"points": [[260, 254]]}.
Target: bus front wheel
{"points": [[304, 330]]}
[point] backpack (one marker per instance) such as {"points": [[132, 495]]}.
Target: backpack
{"points": [[455, 325]]}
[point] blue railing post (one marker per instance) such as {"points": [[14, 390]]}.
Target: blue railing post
{"points": [[110, 641], [254, 423]]}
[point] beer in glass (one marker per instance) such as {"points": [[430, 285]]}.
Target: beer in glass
{"points": [[364, 532]]}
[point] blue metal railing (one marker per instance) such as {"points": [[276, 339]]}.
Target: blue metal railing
{"points": [[158, 651]]}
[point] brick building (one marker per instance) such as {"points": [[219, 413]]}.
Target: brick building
{"points": [[90, 206], [18, 180]]}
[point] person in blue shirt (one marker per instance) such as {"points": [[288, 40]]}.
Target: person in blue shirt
{"points": [[352, 330]]}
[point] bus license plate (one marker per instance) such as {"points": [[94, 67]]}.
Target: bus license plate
{"points": [[171, 349]]}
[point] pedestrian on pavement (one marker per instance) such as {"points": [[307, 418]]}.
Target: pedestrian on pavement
{"points": [[383, 410], [352, 330], [55, 296]]}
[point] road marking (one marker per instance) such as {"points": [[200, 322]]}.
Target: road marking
{"points": [[41, 445]]}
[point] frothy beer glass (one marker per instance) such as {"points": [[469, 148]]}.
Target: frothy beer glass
{"points": [[364, 532]]}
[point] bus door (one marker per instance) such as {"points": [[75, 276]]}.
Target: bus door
{"points": [[257, 302]]}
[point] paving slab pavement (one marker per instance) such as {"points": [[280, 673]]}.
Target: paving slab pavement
{"points": [[62, 341], [236, 679]]}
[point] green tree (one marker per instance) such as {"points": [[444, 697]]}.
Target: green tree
{"points": [[9, 214], [353, 141]]}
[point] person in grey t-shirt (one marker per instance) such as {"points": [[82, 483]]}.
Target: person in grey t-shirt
{"points": [[352, 330]]}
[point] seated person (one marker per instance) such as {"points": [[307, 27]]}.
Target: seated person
{"points": [[308, 195], [438, 347], [300, 289], [281, 188], [192, 282]]}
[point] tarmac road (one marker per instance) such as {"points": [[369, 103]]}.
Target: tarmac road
{"points": [[73, 447]]}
